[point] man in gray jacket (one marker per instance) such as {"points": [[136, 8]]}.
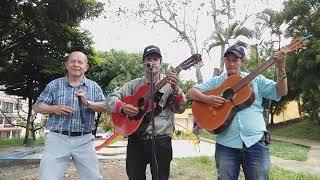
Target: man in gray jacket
{"points": [[169, 100]]}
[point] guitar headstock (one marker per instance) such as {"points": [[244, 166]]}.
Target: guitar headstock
{"points": [[191, 61], [297, 44]]}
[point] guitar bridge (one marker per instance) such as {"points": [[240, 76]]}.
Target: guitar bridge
{"points": [[212, 110]]}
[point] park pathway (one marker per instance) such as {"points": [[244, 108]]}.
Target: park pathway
{"points": [[188, 149], [311, 166]]}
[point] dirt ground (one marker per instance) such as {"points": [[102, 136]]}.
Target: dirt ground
{"points": [[110, 170]]}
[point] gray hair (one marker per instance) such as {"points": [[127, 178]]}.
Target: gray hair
{"points": [[78, 52]]}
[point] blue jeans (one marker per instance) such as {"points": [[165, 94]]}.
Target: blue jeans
{"points": [[255, 162]]}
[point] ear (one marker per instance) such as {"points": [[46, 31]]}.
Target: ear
{"points": [[87, 67], [243, 62]]}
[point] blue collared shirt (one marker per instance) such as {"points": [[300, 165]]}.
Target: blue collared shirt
{"points": [[248, 125], [60, 92]]}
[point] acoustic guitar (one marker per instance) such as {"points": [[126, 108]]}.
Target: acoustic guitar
{"points": [[238, 94], [126, 125]]}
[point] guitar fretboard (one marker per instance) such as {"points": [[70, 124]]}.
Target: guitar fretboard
{"points": [[253, 74], [160, 84]]}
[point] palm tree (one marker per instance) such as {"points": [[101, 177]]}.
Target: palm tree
{"points": [[226, 30]]}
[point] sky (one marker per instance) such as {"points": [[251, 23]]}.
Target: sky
{"points": [[131, 35]]}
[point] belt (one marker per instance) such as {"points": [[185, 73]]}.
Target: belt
{"points": [[148, 137], [265, 138], [68, 133]]}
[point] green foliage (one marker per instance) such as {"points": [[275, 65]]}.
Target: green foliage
{"points": [[255, 59], [303, 18], [5, 143], [193, 168], [105, 122], [289, 151], [272, 19], [35, 37], [277, 173], [185, 87], [116, 68]]}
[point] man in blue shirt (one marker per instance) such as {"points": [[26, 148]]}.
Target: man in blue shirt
{"points": [[243, 142], [71, 103]]}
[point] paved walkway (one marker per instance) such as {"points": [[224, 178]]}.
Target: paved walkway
{"points": [[180, 148], [311, 166], [186, 148]]}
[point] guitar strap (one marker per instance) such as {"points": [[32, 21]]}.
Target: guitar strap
{"points": [[146, 119]]}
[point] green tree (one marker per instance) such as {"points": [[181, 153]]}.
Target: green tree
{"points": [[35, 37], [226, 26], [116, 68], [185, 87], [303, 18]]}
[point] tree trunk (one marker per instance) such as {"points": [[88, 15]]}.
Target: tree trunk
{"points": [[198, 74], [299, 107], [25, 141], [33, 131], [192, 50], [223, 47], [26, 136], [33, 135], [271, 120]]}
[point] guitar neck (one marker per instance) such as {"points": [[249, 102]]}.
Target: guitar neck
{"points": [[163, 81], [253, 74]]}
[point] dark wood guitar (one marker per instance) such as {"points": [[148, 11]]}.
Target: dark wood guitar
{"points": [[126, 125], [238, 94]]}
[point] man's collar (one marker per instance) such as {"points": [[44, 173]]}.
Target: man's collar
{"points": [[83, 81]]}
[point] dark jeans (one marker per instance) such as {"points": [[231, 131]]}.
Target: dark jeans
{"points": [[255, 162], [139, 154]]}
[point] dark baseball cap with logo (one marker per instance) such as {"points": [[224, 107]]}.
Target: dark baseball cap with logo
{"points": [[151, 50], [235, 49]]}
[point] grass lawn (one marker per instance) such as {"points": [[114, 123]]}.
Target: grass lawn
{"points": [[288, 151], [278, 149], [203, 168], [301, 130], [4, 143]]}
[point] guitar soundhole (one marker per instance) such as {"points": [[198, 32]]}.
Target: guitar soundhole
{"points": [[228, 94], [138, 116], [141, 102]]}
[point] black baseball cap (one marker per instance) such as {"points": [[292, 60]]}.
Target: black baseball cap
{"points": [[150, 50], [235, 49]]}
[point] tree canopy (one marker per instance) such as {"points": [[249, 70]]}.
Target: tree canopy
{"points": [[35, 37], [303, 18]]}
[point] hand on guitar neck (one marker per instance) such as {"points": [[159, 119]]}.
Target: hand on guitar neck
{"points": [[282, 87], [280, 58], [173, 80]]}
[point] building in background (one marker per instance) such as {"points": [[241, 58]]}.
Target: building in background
{"points": [[184, 121], [12, 108]]}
